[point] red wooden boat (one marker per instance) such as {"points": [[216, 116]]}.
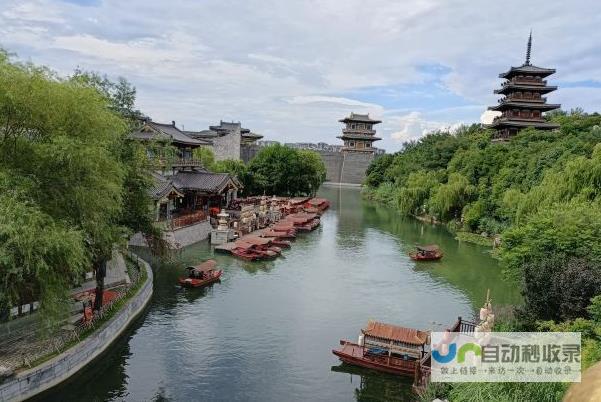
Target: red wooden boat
{"points": [[429, 252], [387, 348], [276, 241], [320, 204], [201, 275], [246, 254]]}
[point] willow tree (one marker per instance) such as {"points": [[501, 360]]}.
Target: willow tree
{"points": [[62, 192]]}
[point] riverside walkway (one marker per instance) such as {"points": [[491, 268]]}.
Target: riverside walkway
{"points": [[24, 340]]}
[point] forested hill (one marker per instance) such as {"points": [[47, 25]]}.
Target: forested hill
{"points": [[489, 187]]}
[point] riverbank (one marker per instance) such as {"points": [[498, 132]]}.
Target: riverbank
{"points": [[52, 370]]}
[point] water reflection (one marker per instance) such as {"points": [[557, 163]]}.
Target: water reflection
{"points": [[265, 332], [371, 386]]}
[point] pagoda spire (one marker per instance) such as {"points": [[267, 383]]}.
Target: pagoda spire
{"points": [[528, 49]]}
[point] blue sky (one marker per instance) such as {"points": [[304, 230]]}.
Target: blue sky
{"points": [[291, 69]]}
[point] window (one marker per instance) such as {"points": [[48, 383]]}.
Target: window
{"points": [[351, 144]]}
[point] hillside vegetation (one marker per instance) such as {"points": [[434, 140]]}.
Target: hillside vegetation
{"points": [[541, 194]]}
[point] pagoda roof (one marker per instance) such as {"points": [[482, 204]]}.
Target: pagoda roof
{"points": [[527, 69], [510, 86], [359, 118], [395, 333], [153, 131], [505, 122], [525, 105], [359, 137]]}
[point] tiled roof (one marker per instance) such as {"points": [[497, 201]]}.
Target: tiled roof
{"points": [[394, 333], [528, 69], [359, 117], [161, 186], [204, 134], [359, 137], [203, 181], [525, 104], [251, 135], [165, 132]]}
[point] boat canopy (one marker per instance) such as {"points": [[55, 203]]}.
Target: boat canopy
{"points": [[428, 247], [394, 333], [259, 241], [208, 265]]}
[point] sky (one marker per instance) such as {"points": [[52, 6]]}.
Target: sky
{"points": [[291, 69]]}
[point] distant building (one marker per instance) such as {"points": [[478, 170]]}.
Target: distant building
{"points": [[359, 133], [227, 140], [523, 105]]}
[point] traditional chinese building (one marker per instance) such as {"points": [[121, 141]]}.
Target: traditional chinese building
{"points": [[185, 194], [523, 103], [359, 134]]}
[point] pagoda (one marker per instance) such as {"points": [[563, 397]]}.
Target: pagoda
{"points": [[523, 104], [358, 133]]}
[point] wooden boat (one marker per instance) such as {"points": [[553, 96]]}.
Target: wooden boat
{"points": [[276, 241], [252, 250], [277, 234], [387, 348], [319, 204], [246, 254], [201, 275], [429, 252]]}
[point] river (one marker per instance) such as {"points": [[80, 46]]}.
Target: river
{"points": [[265, 333]]}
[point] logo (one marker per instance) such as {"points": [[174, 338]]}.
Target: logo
{"points": [[505, 357], [466, 347]]}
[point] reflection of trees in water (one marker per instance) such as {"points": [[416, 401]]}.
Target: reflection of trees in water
{"points": [[374, 386], [467, 267], [347, 204], [104, 379]]}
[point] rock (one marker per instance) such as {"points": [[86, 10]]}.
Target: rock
{"points": [[484, 234], [5, 372]]}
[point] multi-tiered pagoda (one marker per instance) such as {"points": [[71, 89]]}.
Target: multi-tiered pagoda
{"points": [[524, 103], [359, 134]]}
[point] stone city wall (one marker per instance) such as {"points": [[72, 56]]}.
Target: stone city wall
{"points": [[228, 146]]}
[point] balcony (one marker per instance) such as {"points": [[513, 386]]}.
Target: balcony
{"points": [[163, 162], [358, 131], [183, 219], [522, 99], [525, 81]]}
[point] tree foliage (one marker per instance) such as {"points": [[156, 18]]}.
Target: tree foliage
{"points": [[282, 170], [68, 183]]}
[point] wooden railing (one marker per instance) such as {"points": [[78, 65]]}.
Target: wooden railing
{"points": [[187, 219]]}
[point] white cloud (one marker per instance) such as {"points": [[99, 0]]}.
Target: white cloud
{"points": [[488, 116], [292, 69], [414, 125]]}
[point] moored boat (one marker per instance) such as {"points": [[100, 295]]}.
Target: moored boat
{"points": [[387, 348], [201, 275], [430, 252], [319, 204]]}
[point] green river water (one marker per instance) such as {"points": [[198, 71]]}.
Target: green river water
{"points": [[265, 333]]}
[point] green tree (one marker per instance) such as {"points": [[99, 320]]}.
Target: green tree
{"points": [[206, 157], [60, 146], [281, 170]]}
